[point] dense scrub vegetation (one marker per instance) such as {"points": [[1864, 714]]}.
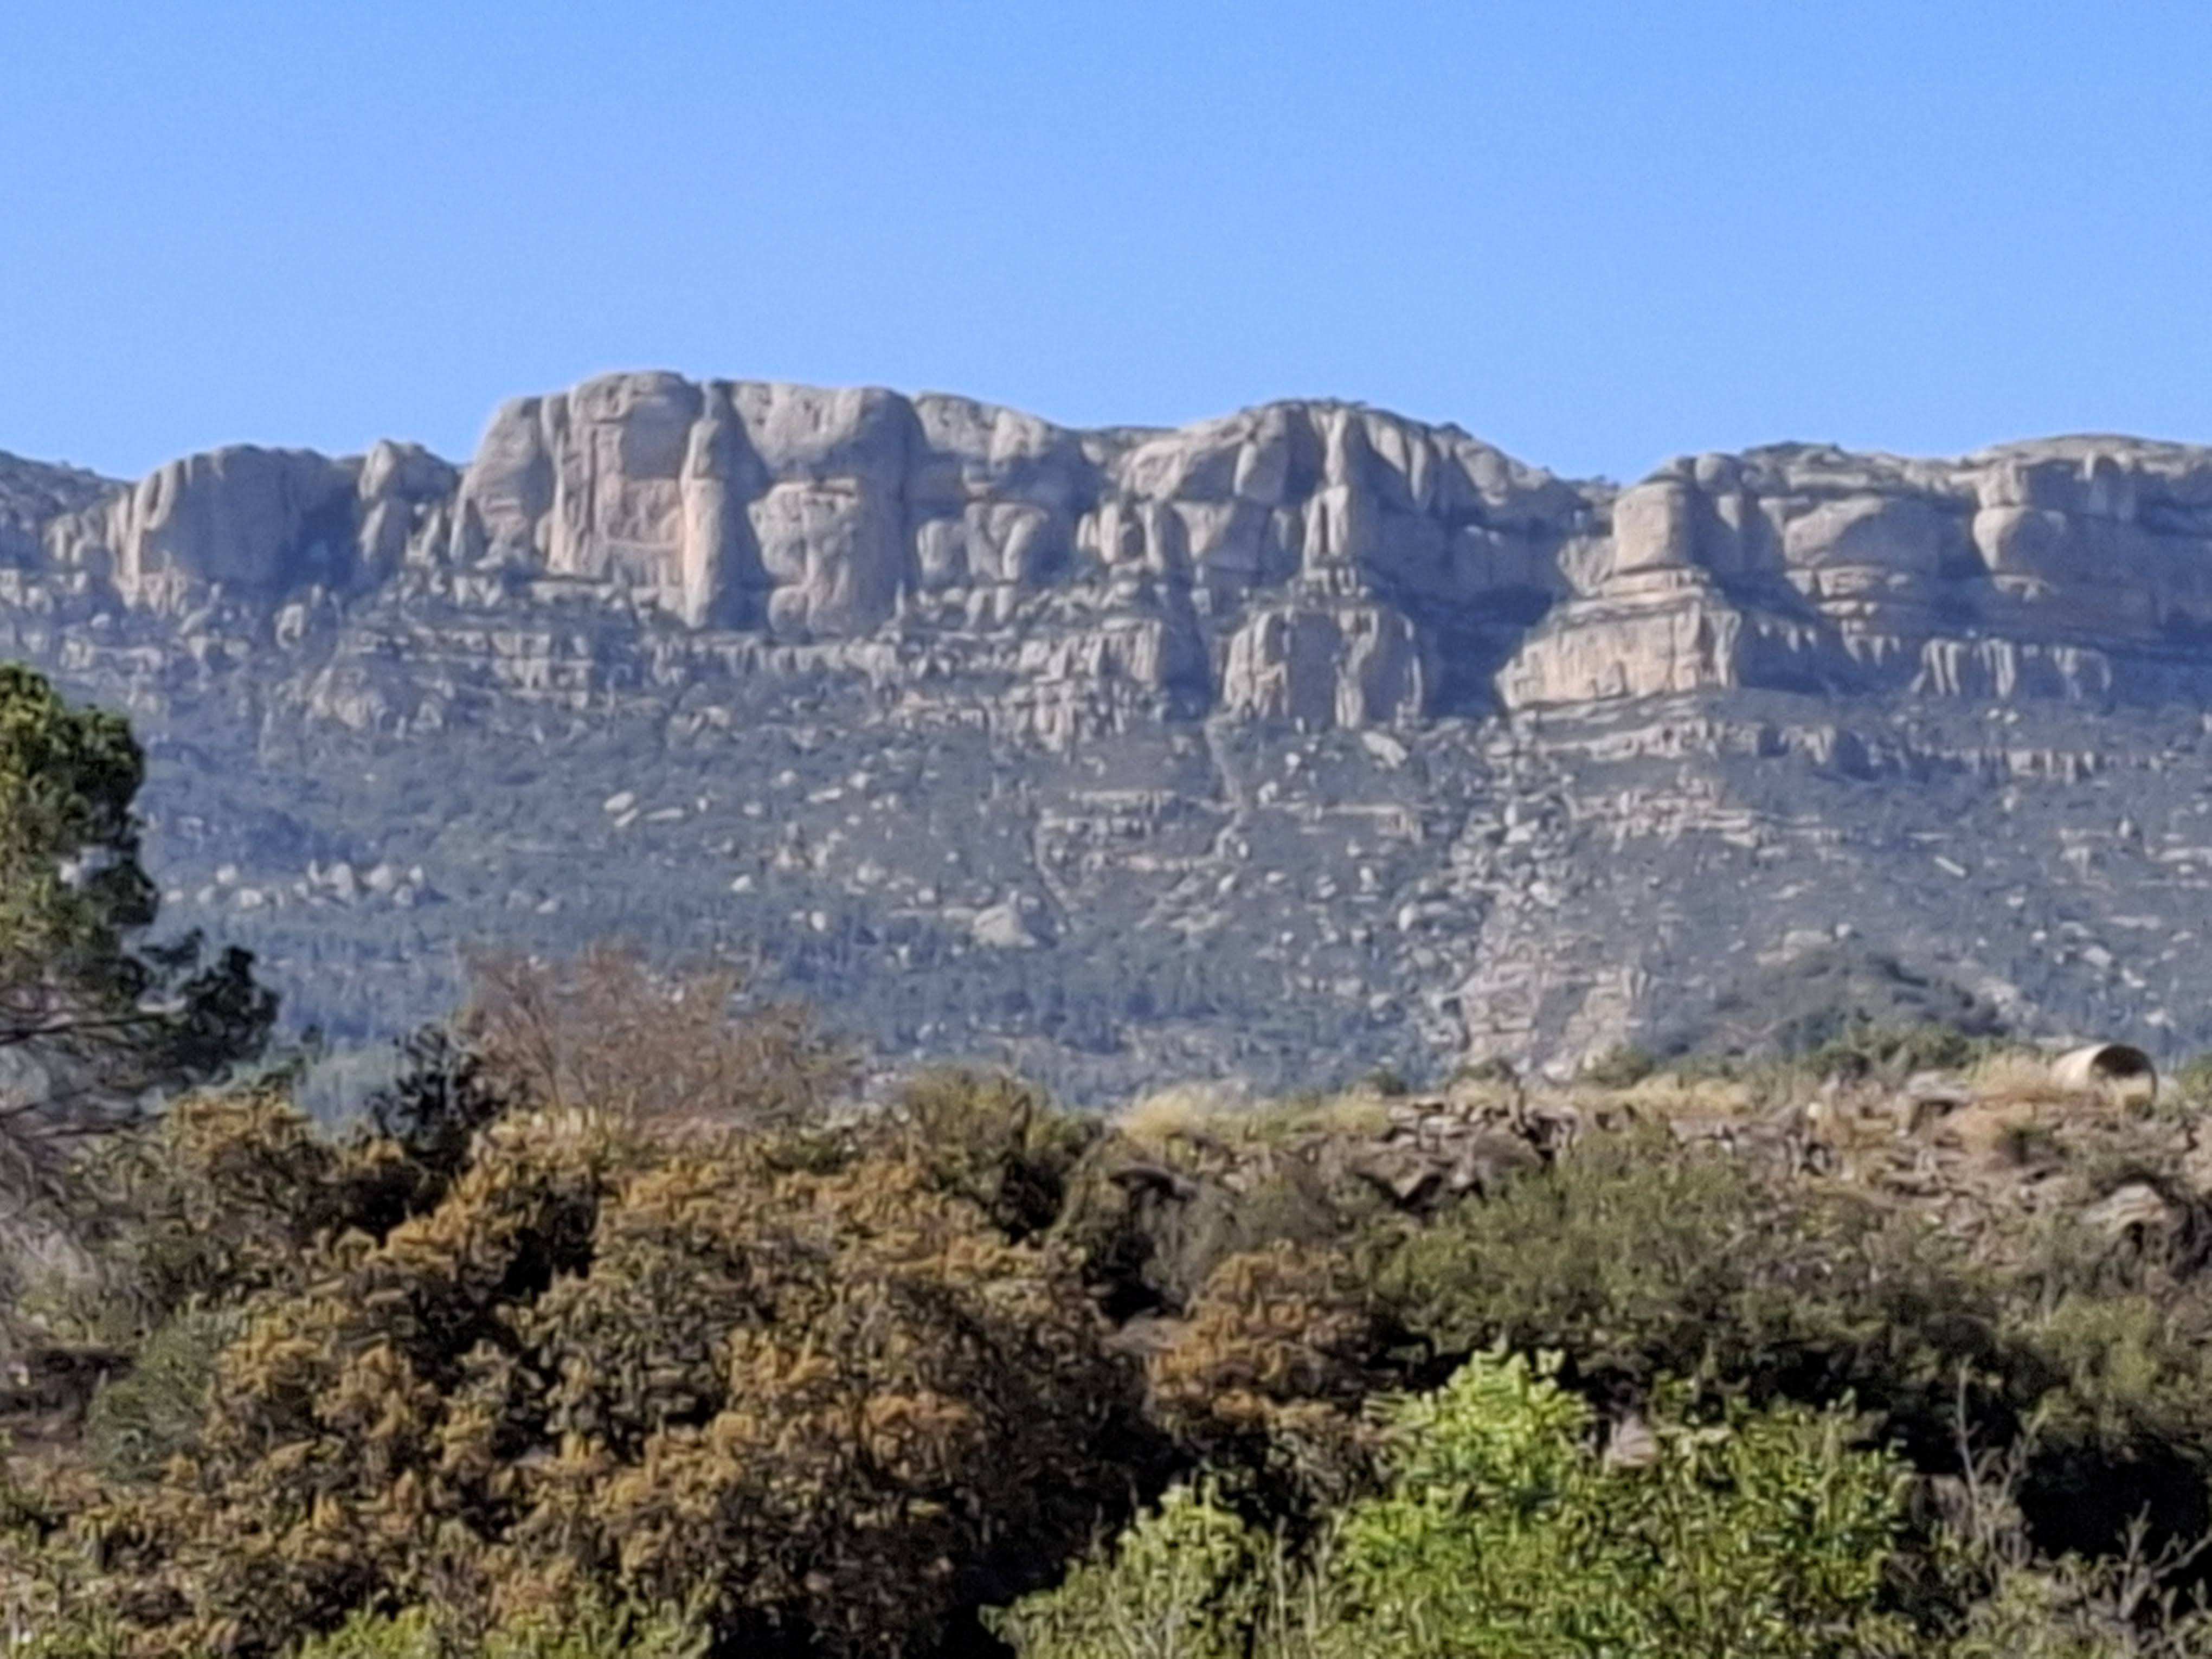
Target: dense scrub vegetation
{"points": [[614, 1326], [969, 1371]]}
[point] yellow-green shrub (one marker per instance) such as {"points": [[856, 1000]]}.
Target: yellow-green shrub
{"points": [[1268, 1373], [821, 1401], [583, 1631], [995, 1140]]}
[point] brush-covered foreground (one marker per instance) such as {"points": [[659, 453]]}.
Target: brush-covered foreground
{"points": [[554, 1356]]}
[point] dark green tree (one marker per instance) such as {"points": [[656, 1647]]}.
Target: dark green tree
{"points": [[96, 1017]]}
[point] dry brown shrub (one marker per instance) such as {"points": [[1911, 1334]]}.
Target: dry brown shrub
{"points": [[609, 1032], [1174, 1113]]}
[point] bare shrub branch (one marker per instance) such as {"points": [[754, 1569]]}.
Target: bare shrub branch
{"points": [[609, 1032]]}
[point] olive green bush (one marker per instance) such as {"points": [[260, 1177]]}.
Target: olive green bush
{"points": [[1619, 1068], [1154, 1223], [2192, 1082], [817, 1399], [2119, 1390], [218, 1199], [996, 1141], [1897, 1052], [139, 1422], [588, 1630], [1636, 1257]]}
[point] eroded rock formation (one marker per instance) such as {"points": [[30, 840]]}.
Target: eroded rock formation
{"points": [[1311, 562], [2075, 566], [1302, 560]]}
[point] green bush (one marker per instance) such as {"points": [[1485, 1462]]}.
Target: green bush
{"points": [[140, 1420], [2191, 1081], [1764, 1533], [1636, 1257], [2121, 1396], [1831, 995], [1185, 1581], [2075, 1609], [623, 1630], [1504, 1531], [1898, 1051]]}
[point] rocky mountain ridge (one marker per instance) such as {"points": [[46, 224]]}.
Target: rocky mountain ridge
{"points": [[1308, 737]]}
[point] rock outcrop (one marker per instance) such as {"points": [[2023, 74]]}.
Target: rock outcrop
{"points": [[257, 524], [1298, 560], [33, 496], [1308, 561], [2074, 568]]}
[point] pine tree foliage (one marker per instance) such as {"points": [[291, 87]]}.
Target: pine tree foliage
{"points": [[95, 1014]]}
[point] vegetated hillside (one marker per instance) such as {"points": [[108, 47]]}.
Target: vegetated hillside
{"points": [[1271, 748], [1898, 1350]]}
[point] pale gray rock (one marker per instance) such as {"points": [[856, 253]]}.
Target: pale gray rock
{"points": [[1350, 665], [1000, 927], [1315, 563], [34, 496], [257, 521], [2070, 567]]}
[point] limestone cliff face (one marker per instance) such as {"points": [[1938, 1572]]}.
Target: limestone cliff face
{"points": [[1294, 561], [258, 523], [2078, 567], [1317, 562]]}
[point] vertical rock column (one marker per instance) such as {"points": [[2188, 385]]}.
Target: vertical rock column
{"points": [[719, 567]]}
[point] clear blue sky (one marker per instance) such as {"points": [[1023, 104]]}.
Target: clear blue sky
{"points": [[1597, 234]]}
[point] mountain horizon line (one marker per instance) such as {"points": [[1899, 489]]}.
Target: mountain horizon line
{"points": [[1141, 429]]}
